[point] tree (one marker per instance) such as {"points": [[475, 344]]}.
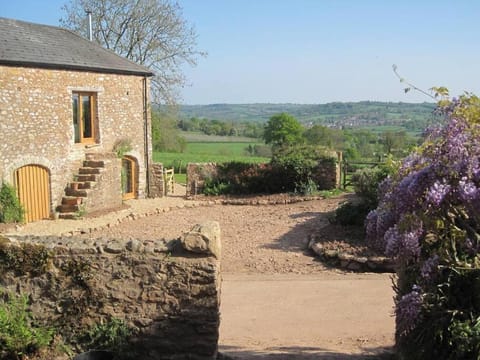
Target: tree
{"points": [[165, 133], [283, 129], [149, 32], [324, 136], [393, 140]]}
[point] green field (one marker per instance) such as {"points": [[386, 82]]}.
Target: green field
{"points": [[203, 152], [192, 137]]}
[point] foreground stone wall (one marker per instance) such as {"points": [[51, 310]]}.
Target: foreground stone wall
{"points": [[167, 295]]}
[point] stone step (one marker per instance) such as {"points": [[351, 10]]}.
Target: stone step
{"points": [[68, 208], [71, 200], [68, 216], [86, 177], [76, 193], [94, 163], [79, 185], [89, 170]]}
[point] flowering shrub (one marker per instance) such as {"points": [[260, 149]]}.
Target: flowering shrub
{"points": [[428, 219]]}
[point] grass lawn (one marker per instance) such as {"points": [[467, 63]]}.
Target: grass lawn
{"points": [[203, 152]]}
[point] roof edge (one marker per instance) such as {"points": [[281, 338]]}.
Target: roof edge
{"points": [[50, 66]]}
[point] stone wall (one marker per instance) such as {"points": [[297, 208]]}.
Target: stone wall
{"points": [[107, 192], [327, 175], [168, 296], [37, 126], [196, 175], [156, 180]]}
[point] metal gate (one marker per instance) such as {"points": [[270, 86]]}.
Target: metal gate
{"points": [[33, 189]]}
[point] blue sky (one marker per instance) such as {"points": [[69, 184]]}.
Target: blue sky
{"points": [[318, 51]]}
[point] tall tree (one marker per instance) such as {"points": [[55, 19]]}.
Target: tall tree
{"points": [[152, 33], [283, 129]]}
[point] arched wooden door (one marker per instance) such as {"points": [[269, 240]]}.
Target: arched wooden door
{"points": [[129, 178], [33, 189]]}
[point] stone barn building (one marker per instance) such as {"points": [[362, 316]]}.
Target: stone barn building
{"points": [[74, 122]]}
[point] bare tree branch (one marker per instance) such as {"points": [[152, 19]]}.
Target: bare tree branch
{"points": [[152, 33]]}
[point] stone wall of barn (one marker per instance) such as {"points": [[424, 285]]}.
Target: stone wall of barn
{"points": [[36, 124]]}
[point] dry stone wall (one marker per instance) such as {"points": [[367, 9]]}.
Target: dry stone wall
{"points": [[157, 186], [167, 295]]}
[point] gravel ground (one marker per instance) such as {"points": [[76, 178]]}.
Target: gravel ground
{"points": [[267, 239]]}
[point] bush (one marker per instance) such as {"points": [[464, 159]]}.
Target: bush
{"points": [[296, 166], [366, 182], [351, 214], [18, 334], [292, 169], [428, 220], [10, 208]]}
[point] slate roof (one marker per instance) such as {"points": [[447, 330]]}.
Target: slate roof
{"points": [[35, 45]]}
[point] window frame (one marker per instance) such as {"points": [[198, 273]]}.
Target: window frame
{"points": [[78, 116]]}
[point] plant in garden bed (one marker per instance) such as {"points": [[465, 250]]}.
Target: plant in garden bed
{"points": [[10, 208], [428, 219], [112, 335], [365, 183], [19, 336]]}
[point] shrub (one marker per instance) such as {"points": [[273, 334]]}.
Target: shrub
{"points": [[366, 182], [351, 214], [308, 187], [292, 169], [296, 166], [428, 219], [10, 208], [113, 336], [18, 334]]}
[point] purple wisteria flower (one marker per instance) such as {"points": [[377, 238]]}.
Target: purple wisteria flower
{"points": [[437, 193], [403, 245], [468, 190], [407, 311], [429, 268]]}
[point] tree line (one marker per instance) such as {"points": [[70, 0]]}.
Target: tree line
{"points": [[356, 144]]}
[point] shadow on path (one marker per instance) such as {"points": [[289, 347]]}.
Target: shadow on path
{"points": [[302, 353]]}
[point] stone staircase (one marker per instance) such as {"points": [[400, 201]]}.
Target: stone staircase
{"points": [[77, 191]]}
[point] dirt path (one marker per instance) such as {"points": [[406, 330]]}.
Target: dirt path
{"points": [[319, 316]]}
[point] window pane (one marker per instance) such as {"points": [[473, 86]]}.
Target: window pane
{"points": [[87, 116], [76, 115]]}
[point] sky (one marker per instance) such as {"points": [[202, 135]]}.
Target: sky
{"points": [[317, 51]]}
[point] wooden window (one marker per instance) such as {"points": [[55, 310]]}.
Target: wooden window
{"points": [[83, 105]]}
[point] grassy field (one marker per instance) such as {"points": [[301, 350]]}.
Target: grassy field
{"points": [[200, 137], [203, 152]]}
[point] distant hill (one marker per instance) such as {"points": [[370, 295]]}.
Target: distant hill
{"points": [[412, 116]]}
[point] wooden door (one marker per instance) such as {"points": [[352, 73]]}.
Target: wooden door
{"points": [[129, 178], [33, 189]]}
